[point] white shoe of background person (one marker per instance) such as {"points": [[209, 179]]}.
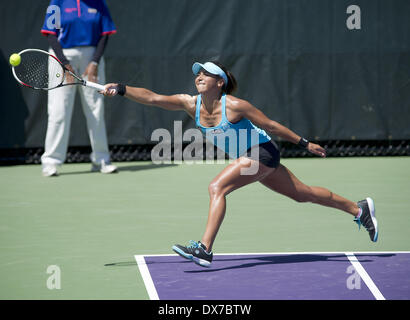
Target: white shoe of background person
{"points": [[103, 167], [49, 170]]}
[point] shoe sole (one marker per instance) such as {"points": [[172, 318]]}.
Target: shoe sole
{"points": [[52, 174], [372, 209], [198, 261]]}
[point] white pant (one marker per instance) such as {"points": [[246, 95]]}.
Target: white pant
{"points": [[60, 109]]}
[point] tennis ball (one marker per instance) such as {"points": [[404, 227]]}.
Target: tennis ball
{"points": [[15, 59]]}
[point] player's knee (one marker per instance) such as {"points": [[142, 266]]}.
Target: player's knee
{"points": [[215, 189]]}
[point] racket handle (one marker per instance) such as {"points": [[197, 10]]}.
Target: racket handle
{"points": [[94, 85]]}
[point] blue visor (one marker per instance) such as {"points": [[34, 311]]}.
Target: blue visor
{"points": [[212, 68]]}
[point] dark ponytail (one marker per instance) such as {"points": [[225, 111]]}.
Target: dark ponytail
{"points": [[232, 84]]}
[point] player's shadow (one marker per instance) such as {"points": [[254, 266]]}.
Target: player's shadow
{"points": [[121, 264], [134, 263], [285, 259], [120, 168], [146, 167]]}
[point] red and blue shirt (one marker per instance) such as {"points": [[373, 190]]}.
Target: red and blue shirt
{"points": [[82, 22]]}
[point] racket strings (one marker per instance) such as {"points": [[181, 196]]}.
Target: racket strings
{"points": [[39, 70]]}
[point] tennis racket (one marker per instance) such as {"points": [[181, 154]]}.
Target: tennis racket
{"points": [[41, 70]]}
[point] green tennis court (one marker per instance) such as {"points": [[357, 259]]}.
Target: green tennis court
{"points": [[92, 225]]}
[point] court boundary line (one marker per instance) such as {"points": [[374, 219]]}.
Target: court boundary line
{"points": [[277, 253], [365, 276], [146, 277], [153, 294]]}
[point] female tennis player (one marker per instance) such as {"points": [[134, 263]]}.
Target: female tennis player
{"points": [[216, 112]]}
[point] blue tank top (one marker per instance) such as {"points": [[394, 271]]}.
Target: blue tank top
{"points": [[233, 138]]}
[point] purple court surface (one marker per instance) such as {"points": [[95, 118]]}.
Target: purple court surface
{"points": [[279, 276]]}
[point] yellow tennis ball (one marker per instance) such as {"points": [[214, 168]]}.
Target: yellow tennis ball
{"points": [[15, 59]]}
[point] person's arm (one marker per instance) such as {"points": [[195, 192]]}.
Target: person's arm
{"points": [[58, 50], [257, 117], [99, 50], [91, 72], [147, 97]]}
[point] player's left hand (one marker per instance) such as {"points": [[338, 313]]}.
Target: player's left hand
{"points": [[91, 72], [316, 149]]}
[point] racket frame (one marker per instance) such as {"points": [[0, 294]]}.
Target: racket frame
{"points": [[81, 81]]}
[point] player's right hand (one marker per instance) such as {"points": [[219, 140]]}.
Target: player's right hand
{"points": [[110, 89]]}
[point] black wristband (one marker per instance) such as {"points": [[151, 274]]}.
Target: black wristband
{"points": [[303, 143], [121, 89]]}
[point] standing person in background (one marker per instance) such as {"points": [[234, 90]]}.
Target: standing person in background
{"points": [[79, 44]]}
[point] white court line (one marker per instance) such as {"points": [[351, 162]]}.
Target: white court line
{"points": [[146, 276], [365, 276], [280, 253]]}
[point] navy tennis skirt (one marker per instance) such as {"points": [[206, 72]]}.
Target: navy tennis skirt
{"points": [[266, 153]]}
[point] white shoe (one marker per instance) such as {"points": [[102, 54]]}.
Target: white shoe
{"points": [[50, 170], [104, 167]]}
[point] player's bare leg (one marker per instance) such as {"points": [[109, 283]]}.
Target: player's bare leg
{"points": [[283, 181], [230, 179]]}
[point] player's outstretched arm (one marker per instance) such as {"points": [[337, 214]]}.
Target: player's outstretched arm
{"points": [[150, 98], [261, 120]]}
